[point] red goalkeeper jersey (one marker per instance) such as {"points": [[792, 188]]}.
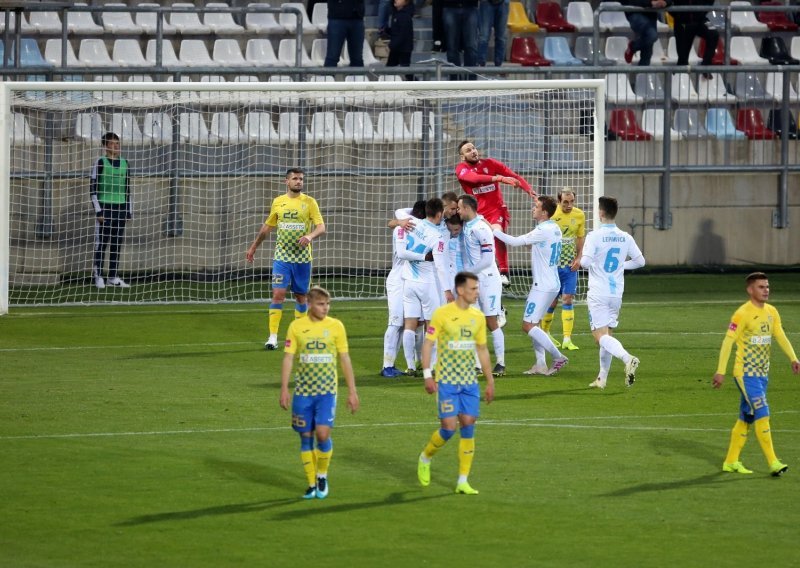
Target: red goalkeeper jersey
{"points": [[476, 180]]}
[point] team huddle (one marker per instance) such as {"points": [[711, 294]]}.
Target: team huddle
{"points": [[449, 268]]}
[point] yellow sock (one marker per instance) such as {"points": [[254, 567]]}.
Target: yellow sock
{"points": [[298, 315], [764, 437], [309, 466], [274, 320], [547, 320], [567, 320], [738, 439], [466, 451], [323, 461], [435, 444]]}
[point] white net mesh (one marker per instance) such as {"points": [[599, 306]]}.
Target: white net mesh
{"points": [[206, 160]]}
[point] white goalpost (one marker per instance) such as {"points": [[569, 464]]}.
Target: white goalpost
{"points": [[206, 158]]}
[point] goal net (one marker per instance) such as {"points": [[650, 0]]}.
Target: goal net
{"points": [[207, 158]]}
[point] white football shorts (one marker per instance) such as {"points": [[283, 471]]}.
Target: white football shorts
{"points": [[603, 311]]}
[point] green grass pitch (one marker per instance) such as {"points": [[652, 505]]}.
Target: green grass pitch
{"points": [[152, 436]]}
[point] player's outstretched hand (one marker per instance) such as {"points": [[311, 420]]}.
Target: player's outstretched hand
{"points": [[353, 403], [407, 224], [303, 241], [509, 181], [430, 386], [718, 380], [489, 394], [250, 255]]}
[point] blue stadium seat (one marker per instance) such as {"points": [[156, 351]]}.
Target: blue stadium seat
{"points": [[720, 124], [557, 50]]}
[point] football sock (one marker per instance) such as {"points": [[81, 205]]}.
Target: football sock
{"points": [[540, 357], [419, 338], [738, 438], [613, 346], [275, 313], [409, 340], [567, 319], [324, 454], [499, 341], [438, 440], [466, 451], [547, 321], [391, 341], [605, 364], [308, 458], [300, 310], [540, 337], [764, 437]]}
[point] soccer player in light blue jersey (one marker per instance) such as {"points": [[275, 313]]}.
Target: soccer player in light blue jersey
{"points": [[607, 254]]}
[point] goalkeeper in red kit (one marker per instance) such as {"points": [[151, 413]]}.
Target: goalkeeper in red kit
{"points": [[481, 178]]}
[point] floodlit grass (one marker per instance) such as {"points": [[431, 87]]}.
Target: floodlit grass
{"points": [[151, 436]]}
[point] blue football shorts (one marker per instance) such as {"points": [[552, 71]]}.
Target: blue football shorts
{"points": [[296, 275], [453, 400], [308, 412], [569, 280], [753, 405]]}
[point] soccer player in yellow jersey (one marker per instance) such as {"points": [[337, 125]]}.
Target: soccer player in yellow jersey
{"points": [[315, 342], [752, 328], [293, 215], [459, 330], [572, 222]]}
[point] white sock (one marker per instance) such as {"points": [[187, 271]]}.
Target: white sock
{"points": [[409, 340], [605, 364], [613, 346], [542, 340], [499, 340], [391, 342], [462, 479], [419, 337], [539, 351]]}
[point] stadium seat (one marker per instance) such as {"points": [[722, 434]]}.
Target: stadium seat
{"points": [[262, 22], [287, 54], [193, 53], [549, 17], [187, 22], [713, 90], [193, 129], [750, 121], [775, 123], [157, 128], [618, 90], [168, 57], [21, 134], [614, 22], [773, 85], [369, 58], [289, 19], [774, 50], [29, 54], [653, 123], [107, 96], [119, 22], [44, 22], [228, 54], [126, 126], [325, 129], [52, 54], [776, 21], [687, 123], [745, 21], [615, 50], [518, 21], [93, 53], [743, 49], [556, 49], [319, 16], [794, 48], [585, 51], [286, 99], [415, 126], [525, 52], [719, 53], [358, 127], [81, 23], [319, 48], [660, 56], [623, 126], [221, 22], [148, 97], [260, 52], [128, 53], [716, 20], [258, 128], [148, 21], [650, 87], [289, 127], [391, 128], [720, 124], [88, 127], [225, 127], [748, 88], [672, 54], [580, 15], [683, 90]]}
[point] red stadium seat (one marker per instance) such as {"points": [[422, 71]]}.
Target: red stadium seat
{"points": [[777, 21], [623, 125], [719, 54], [525, 52], [549, 17], [750, 121]]}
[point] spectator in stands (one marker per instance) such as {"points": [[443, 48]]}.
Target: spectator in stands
{"points": [[345, 23], [437, 25], [689, 25], [401, 41], [492, 14], [461, 31], [110, 192], [645, 32]]}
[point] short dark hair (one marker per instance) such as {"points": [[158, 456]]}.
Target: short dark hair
{"points": [[463, 143], [752, 277], [433, 206], [418, 210], [462, 277], [291, 171], [108, 137], [609, 206], [450, 196], [548, 204], [469, 201], [454, 219]]}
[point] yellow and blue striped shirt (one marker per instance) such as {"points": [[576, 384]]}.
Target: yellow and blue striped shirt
{"points": [[456, 332], [293, 217]]}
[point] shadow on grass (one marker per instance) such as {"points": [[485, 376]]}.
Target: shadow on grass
{"points": [[232, 509], [708, 479], [185, 354], [557, 392], [708, 453], [255, 472], [393, 499]]}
